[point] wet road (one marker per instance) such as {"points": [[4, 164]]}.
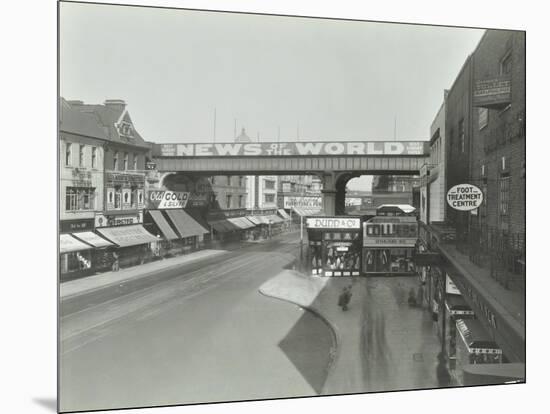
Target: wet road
{"points": [[194, 334]]}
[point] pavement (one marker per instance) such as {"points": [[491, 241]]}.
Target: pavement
{"points": [[381, 343], [310, 293], [91, 283]]}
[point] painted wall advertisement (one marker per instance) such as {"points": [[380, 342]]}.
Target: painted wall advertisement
{"points": [[303, 202], [292, 149], [492, 92]]}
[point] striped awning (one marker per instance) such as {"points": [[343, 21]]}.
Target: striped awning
{"points": [[475, 337], [127, 235], [68, 243], [255, 219], [185, 224], [163, 225], [92, 238]]}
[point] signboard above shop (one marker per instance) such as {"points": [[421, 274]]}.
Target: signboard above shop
{"points": [[464, 197], [303, 202], [266, 149], [492, 93], [333, 223]]}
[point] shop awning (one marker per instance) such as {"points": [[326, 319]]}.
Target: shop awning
{"points": [[223, 226], [456, 305], [68, 243], [127, 235], [283, 214], [275, 219], [255, 220], [240, 222], [476, 337], [163, 225], [304, 212], [185, 224], [93, 239]]}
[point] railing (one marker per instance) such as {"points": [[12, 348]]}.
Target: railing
{"points": [[503, 253]]}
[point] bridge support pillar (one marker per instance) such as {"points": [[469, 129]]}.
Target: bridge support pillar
{"points": [[329, 193]]}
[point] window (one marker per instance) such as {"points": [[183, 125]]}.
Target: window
{"points": [[118, 197], [213, 180], [135, 162], [241, 201], [228, 180], [483, 118], [115, 161], [269, 184], [506, 64], [79, 198], [125, 161], [81, 156], [67, 154], [133, 197], [94, 157], [269, 198], [461, 135], [228, 201], [483, 206], [504, 196], [241, 181]]}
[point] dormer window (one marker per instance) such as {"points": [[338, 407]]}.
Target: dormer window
{"points": [[126, 129]]}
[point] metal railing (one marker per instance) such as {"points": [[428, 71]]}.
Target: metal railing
{"points": [[503, 253]]}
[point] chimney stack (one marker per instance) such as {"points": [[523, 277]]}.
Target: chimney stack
{"points": [[118, 104]]}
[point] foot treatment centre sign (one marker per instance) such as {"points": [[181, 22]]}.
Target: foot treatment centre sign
{"points": [[265, 149], [464, 197]]}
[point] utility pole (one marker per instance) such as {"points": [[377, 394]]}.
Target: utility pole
{"points": [[278, 134], [235, 128]]}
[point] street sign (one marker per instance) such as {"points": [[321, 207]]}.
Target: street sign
{"points": [[464, 197]]}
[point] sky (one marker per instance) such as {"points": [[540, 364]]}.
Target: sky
{"points": [[195, 76]]}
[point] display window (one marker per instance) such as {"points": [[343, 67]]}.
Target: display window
{"points": [[388, 261]]}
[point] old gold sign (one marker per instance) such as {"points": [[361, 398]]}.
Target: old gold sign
{"points": [[464, 197]]}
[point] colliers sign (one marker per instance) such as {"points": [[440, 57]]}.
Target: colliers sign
{"points": [[464, 197], [293, 149], [333, 223]]}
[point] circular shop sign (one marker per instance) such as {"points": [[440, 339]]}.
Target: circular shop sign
{"points": [[464, 197]]}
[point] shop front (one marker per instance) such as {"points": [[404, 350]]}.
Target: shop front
{"points": [[75, 257], [474, 346], [191, 233], [135, 244], [101, 252], [389, 245], [456, 308], [334, 246]]}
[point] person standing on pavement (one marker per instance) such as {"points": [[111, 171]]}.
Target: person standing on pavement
{"points": [[115, 262]]}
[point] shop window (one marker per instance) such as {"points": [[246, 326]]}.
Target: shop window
{"points": [[115, 161], [504, 195], [94, 157], [81, 156], [68, 148]]}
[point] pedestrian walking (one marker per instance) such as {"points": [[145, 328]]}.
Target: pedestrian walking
{"points": [[344, 298], [115, 262]]}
